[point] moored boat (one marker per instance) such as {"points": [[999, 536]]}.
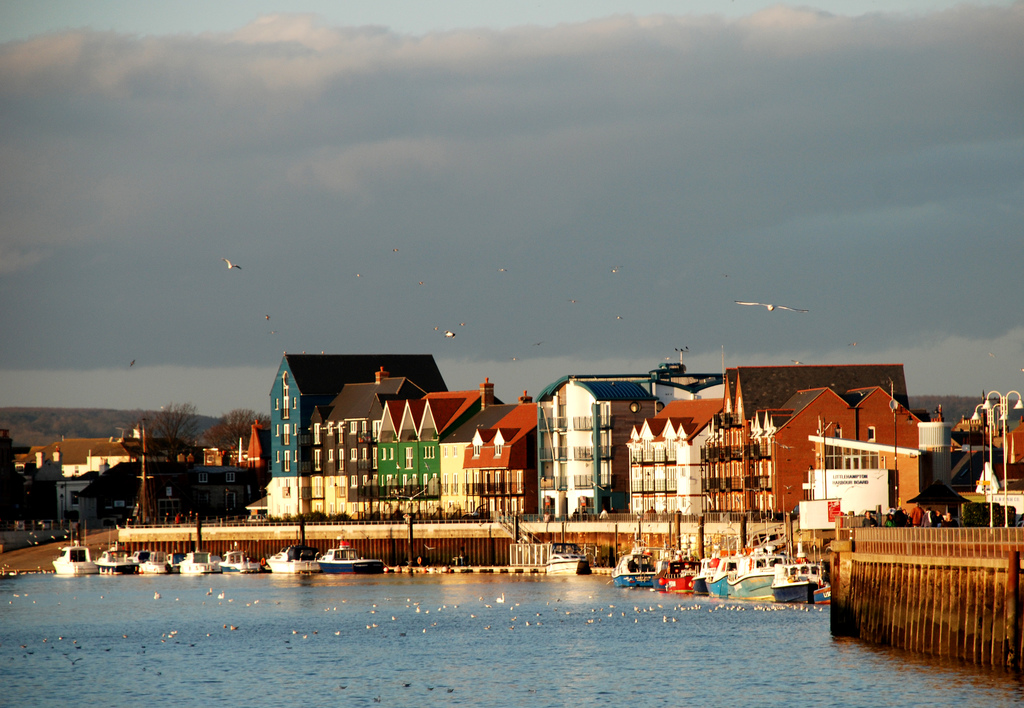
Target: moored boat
{"points": [[346, 559], [754, 575], [116, 562], [156, 563], [199, 563], [567, 559], [635, 569], [823, 595], [796, 582], [295, 559], [236, 562], [706, 570], [75, 560], [718, 580], [675, 575]]}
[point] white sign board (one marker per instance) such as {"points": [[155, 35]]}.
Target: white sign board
{"points": [[819, 514], [859, 490]]}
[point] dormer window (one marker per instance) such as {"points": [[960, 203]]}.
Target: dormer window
{"points": [[204, 478], [476, 449]]}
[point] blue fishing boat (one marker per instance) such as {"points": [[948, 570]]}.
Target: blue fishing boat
{"points": [[346, 559], [754, 575], [796, 582], [636, 569]]}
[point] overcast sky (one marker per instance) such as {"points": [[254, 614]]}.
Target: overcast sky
{"points": [[575, 188]]}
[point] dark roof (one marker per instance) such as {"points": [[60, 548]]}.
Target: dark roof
{"points": [[766, 387], [327, 374], [484, 419], [362, 400], [616, 390], [938, 493]]}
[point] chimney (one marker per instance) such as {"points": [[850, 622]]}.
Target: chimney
{"points": [[525, 399], [56, 454], [39, 460], [486, 393], [381, 375]]}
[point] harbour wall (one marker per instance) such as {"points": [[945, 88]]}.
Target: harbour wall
{"points": [[952, 593], [483, 543]]}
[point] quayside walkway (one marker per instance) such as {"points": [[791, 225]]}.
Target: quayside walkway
{"points": [[945, 592]]}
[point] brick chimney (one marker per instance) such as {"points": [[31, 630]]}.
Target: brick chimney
{"points": [[381, 375], [525, 398], [486, 393]]}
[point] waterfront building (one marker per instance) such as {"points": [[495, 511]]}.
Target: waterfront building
{"points": [[665, 458], [502, 462], [344, 479], [760, 456], [305, 381], [408, 445], [584, 423], [456, 499]]}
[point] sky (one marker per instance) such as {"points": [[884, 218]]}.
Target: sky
{"points": [[569, 188]]}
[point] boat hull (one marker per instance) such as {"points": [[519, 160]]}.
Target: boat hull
{"points": [[293, 567], [86, 568], [757, 587], [634, 580], [700, 586], [682, 584], [365, 566], [799, 592], [823, 595], [575, 566]]}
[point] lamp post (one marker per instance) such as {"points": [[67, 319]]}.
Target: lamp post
{"points": [[986, 466], [1001, 408]]}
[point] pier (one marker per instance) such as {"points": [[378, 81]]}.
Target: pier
{"points": [[945, 592]]}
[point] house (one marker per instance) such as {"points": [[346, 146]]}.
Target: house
{"points": [[665, 457], [456, 497], [344, 444], [408, 463], [760, 455], [502, 462], [305, 381]]}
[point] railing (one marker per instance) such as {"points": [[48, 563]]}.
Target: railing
{"points": [[605, 451], [554, 483], [583, 422], [304, 439], [480, 489], [561, 453], [583, 453], [937, 542]]}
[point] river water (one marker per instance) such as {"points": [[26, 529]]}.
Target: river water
{"points": [[441, 640]]}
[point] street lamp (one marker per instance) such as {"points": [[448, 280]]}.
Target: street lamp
{"points": [[1001, 408]]}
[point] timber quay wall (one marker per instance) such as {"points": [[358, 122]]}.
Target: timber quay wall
{"points": [[478, 543], [946, 592]]}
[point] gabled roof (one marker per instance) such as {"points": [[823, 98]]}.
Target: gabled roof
{"points": [[327, 374], [511, 430], [486, 418], [75, 451], [447, 407], [693, 415], [765, 387], [361, 399]]}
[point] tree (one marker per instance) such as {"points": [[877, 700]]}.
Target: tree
{"points": [[233, 426], [175, 429]]}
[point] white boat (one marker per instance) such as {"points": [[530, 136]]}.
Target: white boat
{"points": [[156, 563], [75, 560], [797, 582], [754, 575], [116, 562], [295, 559], [199, 563], [346, 559], [636, 568], [567, 559], [236, 562]]}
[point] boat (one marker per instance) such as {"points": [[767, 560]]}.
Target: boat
{"points": [[635, 569], [75, 560], [706, 570], [675, 575], [236, 562], [754, 575], [346, 559], [796, 582], [567, 559], [116, 562], [156, 563], [295, 559], [823, 595], [718, 580], [199, 563]]}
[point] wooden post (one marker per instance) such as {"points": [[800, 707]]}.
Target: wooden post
{"points": [[677, 523], [199, 533], [743, 531], [700, 537], [790, 546], [1012, 619]]}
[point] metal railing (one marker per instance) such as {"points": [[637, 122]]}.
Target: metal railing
{"points": [[937, 542]]}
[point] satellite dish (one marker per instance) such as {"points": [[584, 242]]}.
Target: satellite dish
{"points": [[893, 405]]}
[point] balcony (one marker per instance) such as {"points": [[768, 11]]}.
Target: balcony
{"points": [[304, 439], [305, 492], [583, 422], [553, 484], [583, 453], [561, 453], [305, 467], [605, 451], [556, 423], [363, 464]]}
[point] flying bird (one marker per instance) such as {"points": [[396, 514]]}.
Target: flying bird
{"points": [[502, 270], [449, 334], [231, 265], [394, 250], [132, 364], [770, 306], [267, 316]]}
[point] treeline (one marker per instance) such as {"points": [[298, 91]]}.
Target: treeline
{"points": [[42, 426]]}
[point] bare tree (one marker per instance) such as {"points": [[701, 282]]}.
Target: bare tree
{"points": [[233, 426], [175, 428]]}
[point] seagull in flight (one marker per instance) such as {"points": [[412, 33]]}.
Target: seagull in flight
{"points": [[449, 334], [132, 364], [770, 306], [231, 265]]}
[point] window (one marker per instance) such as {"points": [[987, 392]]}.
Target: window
{"points": [[316, 459], [278, 457], [430, 453], [287, 435], [353, 453], [330, 454], [376, 429], [497, 450], [355, 480], [476, 450], [204, 478], [362, 426], [229, 477], [316, 434], [353, 427], [410, 457], [287, 460], [871, 433], [391, 454], [374, 458], [365, 453]]}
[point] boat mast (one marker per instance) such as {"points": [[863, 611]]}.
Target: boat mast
{"points": [[143, 492]]}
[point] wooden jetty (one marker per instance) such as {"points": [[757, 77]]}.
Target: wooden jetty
{"points": [[946, 592]]}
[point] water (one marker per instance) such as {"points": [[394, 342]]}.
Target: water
{"points": [[361, 641]]}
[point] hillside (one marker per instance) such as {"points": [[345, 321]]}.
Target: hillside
{"points": [[42, 426]]}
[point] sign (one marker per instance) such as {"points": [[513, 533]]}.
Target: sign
{"points": [[834, 510]]}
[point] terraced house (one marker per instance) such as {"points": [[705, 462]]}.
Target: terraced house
{"points": [[499, 466], [408, 460], [305, 381]]}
